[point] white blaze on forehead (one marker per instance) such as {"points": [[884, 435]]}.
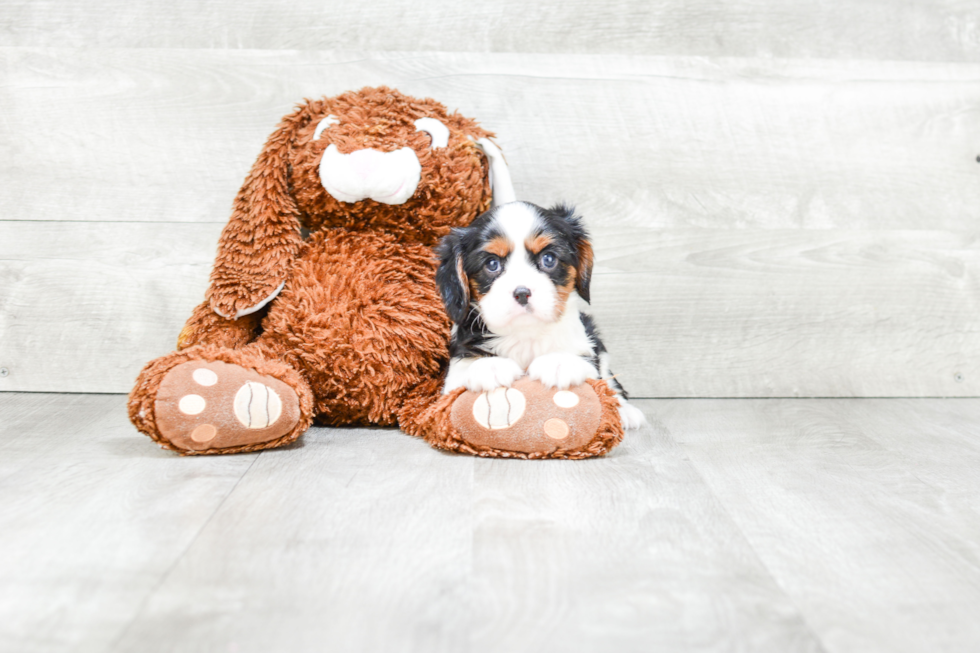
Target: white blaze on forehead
{"points": [[518, 221]]}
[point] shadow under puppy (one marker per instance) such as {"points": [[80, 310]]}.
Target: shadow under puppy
{"points": [[515, 283]]}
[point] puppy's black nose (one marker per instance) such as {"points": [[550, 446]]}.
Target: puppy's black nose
{"points": [[521, 294]]}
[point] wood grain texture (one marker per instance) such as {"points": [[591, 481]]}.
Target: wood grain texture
{"points": [[936, 438], [625, 553], [83, 306], [168, 135], [736, 525], [685, 312], [764, 227], [354, 540], [873, 551], [865, 29], [368, 540], [771, 313], [93, 516]]}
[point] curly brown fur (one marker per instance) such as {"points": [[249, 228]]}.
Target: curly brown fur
{"points": [[358, 324], [365, 328], [283, 191], [455, 185], [257, 246], [205, 327]]}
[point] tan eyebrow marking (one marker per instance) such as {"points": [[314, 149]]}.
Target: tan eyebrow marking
{"points": [[536, 244], [499, 246]]}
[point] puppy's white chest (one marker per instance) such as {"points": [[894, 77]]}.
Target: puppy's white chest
{"points": [[566, 336]]}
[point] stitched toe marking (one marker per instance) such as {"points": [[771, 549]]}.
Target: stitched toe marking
{"points": [[556, 429], [192, 404], [565, 399], [257, 406], [205, 377], [500, 408], [204, 433]]}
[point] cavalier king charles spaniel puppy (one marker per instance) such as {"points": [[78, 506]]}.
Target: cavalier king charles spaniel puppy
{"points": [[515, 284]]}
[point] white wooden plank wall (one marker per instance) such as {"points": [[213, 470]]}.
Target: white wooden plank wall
{"points": [[931, 30], [791, 212]]}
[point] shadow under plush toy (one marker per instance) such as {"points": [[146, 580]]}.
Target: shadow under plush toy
{"points": [[347, 327]]}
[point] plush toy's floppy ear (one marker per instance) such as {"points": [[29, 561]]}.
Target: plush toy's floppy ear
{"points": [[451, 278], [262, 237], [500, 182]]}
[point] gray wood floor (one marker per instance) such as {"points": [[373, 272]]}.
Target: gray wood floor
{"points": [[756, 525]]}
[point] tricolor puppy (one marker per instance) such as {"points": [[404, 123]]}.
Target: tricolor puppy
{"points": [[515, 283]]}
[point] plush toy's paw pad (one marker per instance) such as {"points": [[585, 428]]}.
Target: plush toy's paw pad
{"points": [[631, 416], [528, 417], [214, 405]]}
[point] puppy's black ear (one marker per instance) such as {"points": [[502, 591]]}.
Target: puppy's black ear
{"points": [[579, 237], [451, 278]]}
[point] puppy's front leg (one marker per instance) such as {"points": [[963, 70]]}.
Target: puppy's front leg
{"points": [[481, 374], [561, 370]]}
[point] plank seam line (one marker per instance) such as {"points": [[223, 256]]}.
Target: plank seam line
{"points": [[177, 559]]}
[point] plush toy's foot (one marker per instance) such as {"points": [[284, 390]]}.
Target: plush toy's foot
{"points": [[217, 406], [527, 420]]}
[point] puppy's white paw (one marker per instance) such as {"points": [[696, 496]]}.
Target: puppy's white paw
{"points": [[493, 372], [561, 370], [631, 416]]}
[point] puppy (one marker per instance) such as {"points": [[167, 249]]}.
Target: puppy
{"points": [[515, 283]]}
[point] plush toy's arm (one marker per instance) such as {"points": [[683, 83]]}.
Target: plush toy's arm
{"points": [[205, 327], [262, 237]]}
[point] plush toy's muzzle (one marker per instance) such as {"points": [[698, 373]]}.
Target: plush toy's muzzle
{"points": [[386, 177]]}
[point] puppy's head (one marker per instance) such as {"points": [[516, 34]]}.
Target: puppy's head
{"points": [[518, 264]]}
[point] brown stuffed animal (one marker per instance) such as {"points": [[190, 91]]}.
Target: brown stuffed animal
{"points": [[346, 326]]}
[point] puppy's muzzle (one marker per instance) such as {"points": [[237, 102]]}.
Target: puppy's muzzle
{"points": [[386, 177]]}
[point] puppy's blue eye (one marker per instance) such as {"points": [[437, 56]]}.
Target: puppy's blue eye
{"points": [[492, 265], [548, 260]]}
